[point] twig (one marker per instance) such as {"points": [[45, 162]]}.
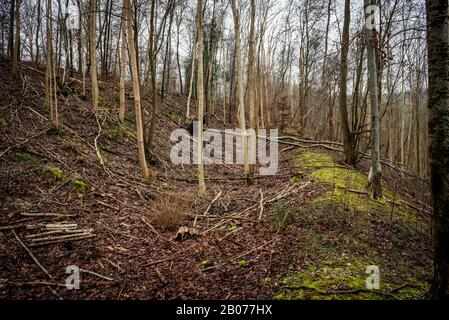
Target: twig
{"points": [[108, 206], [161, 277], [23, 142], [62, 240], [46, 214], [261, 205], [31, 254], [121, 290], [97, 275], [208, 208], [210, 205]]}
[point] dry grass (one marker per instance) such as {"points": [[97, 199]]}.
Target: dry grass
{"points": [[170, 212]]}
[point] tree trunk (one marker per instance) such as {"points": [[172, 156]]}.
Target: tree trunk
{"points": [[122, 70], [153, 58], [51, 100], [12, 9], [438, 103], [348, 137], [15, 54], [146, 174], [241, 97], [38, 27], [251, 92], [376, 177], [200, 98], [93, 53]]}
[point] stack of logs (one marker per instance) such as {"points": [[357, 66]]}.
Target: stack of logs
{"points": [[56, 232]]}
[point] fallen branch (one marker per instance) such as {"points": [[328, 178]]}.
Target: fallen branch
{"points": [[208, 208], [62, 240], [97, 275], [261, 205], [108, 206], [63, 215], [31, 255], [23, 142]]}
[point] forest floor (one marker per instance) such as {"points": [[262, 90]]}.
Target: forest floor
{"points": [[309, 232]]}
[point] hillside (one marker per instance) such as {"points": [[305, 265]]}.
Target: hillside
{"points": [[308, 232]]}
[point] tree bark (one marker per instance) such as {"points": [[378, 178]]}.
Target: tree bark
{"points": [[15, 54], [251, 92], [146, 174], [241, 96], [93, 53], [438, 103], [376, 177], [12, 9], [122, 107], [348, 137], [200, 98]]}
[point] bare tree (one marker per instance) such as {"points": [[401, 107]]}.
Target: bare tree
{"points": [[241, 96], [371, 39], [15, 54], [93, 54], [348, 137], [251, 92], [438, 55], [146, 174], [122, 69], [200, 96]]}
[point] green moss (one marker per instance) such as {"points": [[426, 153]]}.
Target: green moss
{"points": [[242, 263], [79, 186], [351, 201], [350, 187], [343, 178], [1, 234], [55, 174], [312, 160], [297, 177], [329, 230], [3, 123], [332, 279]]}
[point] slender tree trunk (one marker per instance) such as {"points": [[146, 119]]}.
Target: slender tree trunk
{"points": [[15, 55], [376, 178], [12, 9], [438, 103], [251, 93], [324, 69], [200, 98], [153, 61], [80, 43], [241, 96], [38, 27], [93, 54], [181, 88], [51, 100], [146, 174], [348, 137], [122, 70], [192, 74]]}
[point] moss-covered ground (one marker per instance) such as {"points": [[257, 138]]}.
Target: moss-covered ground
{"points": [[344, 231]]}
